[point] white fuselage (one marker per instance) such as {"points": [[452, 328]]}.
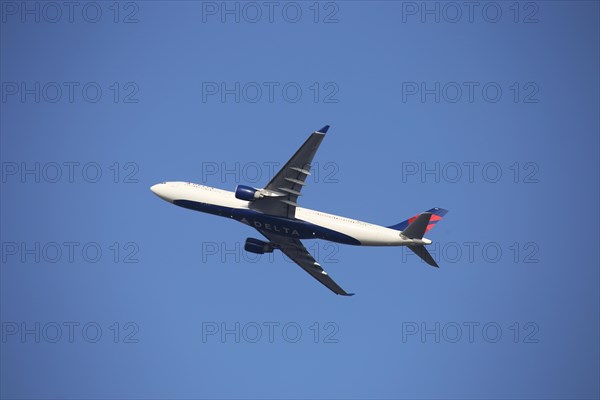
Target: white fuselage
{"points": [[306, 225]]}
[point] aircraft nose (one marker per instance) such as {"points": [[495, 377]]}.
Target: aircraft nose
{"points": [[160, 189]]}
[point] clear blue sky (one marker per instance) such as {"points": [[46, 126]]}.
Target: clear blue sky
{"points": [[492, 113]]}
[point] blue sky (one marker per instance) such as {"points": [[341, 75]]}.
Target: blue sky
{"points": [[490, 112]]}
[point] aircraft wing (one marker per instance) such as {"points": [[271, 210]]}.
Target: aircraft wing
{"points": [[286, 185], [295, 250]]}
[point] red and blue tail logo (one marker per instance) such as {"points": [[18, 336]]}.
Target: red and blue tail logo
{"points": [[438, 214]]}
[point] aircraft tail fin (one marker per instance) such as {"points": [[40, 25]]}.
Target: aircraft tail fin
{"points": [[422, 252], [437, 214], [417, 226]]}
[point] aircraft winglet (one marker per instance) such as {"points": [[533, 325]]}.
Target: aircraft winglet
{"points": [[324, 129]]}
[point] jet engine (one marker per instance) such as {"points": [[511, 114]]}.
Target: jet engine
{"points": [[257, 246], [247, 193]]}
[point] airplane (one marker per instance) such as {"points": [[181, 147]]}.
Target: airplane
{"points": [[274, 212]]}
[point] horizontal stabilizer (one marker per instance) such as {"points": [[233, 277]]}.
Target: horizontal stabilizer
{"points": [[417, 228], [422, 252]]}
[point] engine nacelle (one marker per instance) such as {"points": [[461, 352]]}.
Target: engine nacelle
{"points": [[247, 193], [257, 246]]}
